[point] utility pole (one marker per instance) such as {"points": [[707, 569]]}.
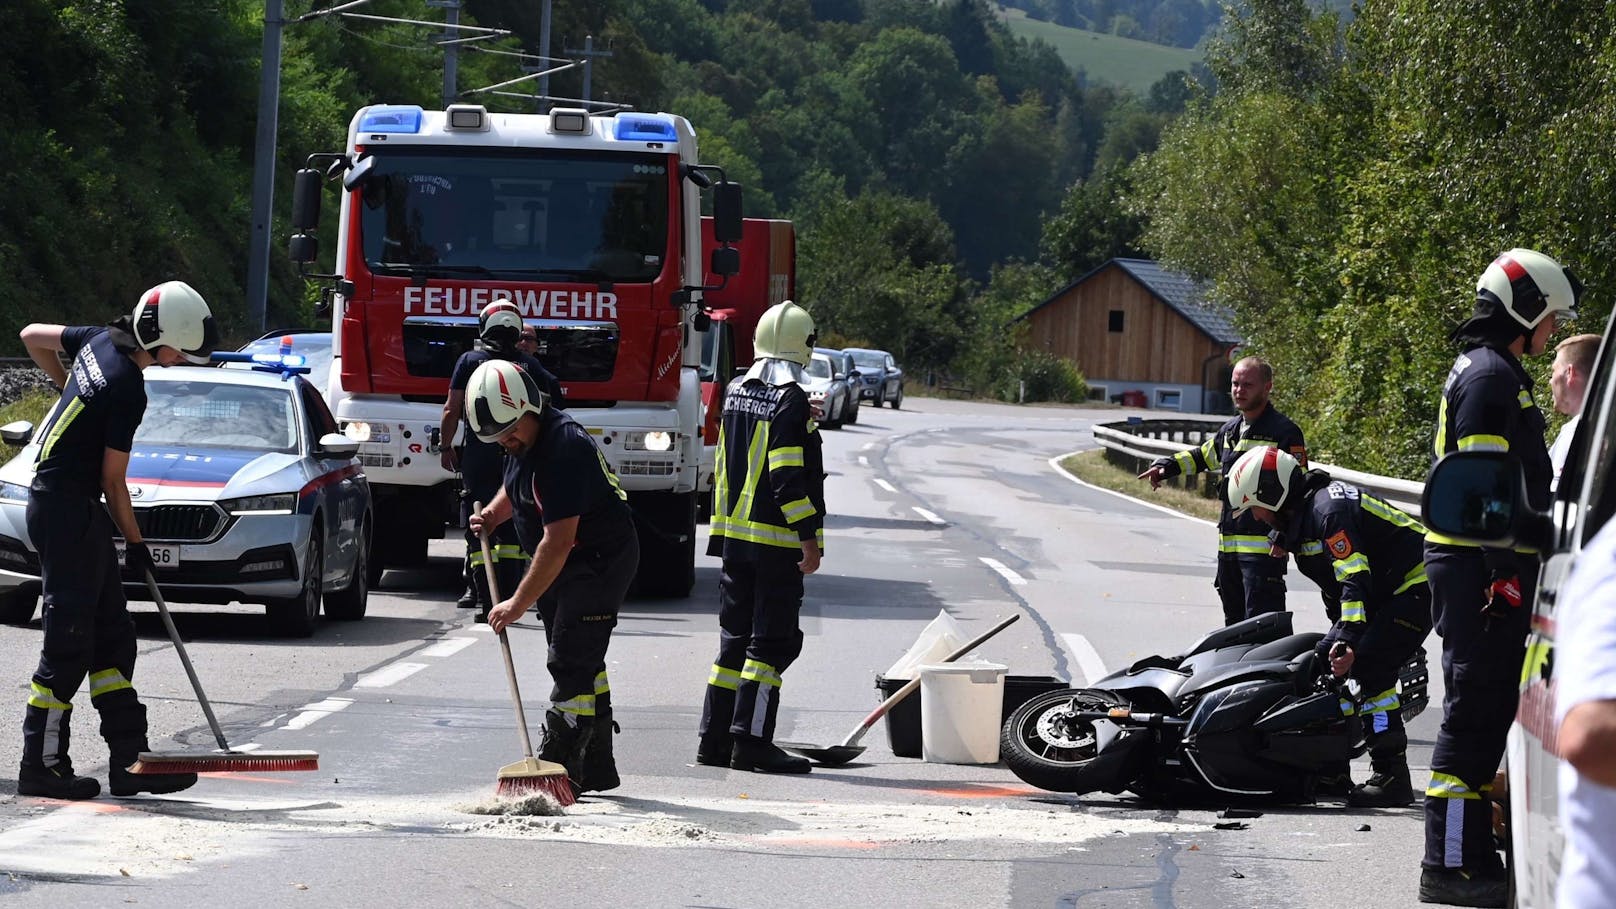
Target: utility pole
{"points": [[263, 186], [451, 47], [544, 47], [589, 54]]}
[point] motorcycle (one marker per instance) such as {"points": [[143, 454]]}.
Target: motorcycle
{"points": [[1248, 711]]}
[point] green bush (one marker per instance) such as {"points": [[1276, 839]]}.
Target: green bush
{"points": [[1045, 376]]}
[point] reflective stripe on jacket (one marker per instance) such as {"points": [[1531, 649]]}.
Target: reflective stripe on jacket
{"points": [[768, 472]]}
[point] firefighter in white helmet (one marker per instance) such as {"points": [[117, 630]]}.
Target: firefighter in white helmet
{"points": [[768, 525], [83, 457], [1481, 597], [572, 517]]}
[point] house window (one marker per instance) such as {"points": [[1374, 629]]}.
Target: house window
{"points": [[1116, 321]]}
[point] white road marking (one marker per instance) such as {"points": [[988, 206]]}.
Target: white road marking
{"points": [[1088, 659], [885, 485], [867, 446], [447, 647], [928, 515], [1055, 463], [317, 711], [1004, 571], [863, 461], [381, 678]]}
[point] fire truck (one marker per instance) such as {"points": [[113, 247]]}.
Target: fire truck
{"points": [[591, 225]]}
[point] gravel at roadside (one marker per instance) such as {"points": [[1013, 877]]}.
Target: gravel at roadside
{"points": [[14, 383]]}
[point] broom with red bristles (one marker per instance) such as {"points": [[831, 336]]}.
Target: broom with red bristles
{"points": [[529, 776], [223, 759]]}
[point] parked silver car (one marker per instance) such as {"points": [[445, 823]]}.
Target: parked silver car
{"points": [[880, 378], [242, 487], [842, 363], [826, 391]]}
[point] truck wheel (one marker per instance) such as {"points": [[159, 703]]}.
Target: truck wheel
{"points": [[666, 523], [17, 606]]}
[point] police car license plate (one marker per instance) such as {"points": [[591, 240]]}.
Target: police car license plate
{"points": [[164, 555]]}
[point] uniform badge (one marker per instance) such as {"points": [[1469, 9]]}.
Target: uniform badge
{"points": [[1339, 545]]}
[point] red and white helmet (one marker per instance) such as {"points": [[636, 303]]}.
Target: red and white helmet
{"points": [[174, 315], [1262, 478], [500, 321], [498, 393], [1529, 285]]}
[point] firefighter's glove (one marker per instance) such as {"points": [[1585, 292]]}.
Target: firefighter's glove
{"points": [[138, 558], [1503, 597]]}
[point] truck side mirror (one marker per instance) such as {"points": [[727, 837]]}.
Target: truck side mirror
{"points": [[727, 212], [1480, 497], [303, 248], [306, 201], [726, 261]]}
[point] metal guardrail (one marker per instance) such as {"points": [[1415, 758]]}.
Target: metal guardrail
{"points": [[1143, 441], [16, 362]]}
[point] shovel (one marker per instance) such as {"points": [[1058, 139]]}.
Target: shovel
{"points": [[837, 755]]}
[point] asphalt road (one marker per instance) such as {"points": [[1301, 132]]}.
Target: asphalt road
{"points": [[941, 506]]}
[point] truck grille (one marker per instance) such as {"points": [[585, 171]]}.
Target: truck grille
{"points": [[178, 522], [641, 468]]}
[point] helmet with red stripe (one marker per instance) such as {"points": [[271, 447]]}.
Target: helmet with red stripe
{"points": [[1529, 286], [498, 393], [1263, 478]]}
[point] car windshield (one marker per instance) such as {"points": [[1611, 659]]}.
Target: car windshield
{"points": [[314, 347], [817, 368], [216, 415], [515, 213], [873, 358]]}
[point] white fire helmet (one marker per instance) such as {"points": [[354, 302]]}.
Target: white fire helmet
{"points": [[498, 393], [1529, 285], [786, 332], [1262, 478], [174, 315]]}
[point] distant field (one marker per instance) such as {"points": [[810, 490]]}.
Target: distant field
{"points": [[1120, 61]]}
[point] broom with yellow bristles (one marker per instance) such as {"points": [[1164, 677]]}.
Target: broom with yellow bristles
{"points": [[224, 758], [529, 776]]}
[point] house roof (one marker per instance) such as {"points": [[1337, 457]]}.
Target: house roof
{"points": [[1183, 294]]}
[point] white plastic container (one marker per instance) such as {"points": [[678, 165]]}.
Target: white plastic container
{"points": [[960, 707]]}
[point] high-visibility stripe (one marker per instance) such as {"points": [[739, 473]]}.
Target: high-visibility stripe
{"points": [[755, 532], [721, 677], [1311, 548], [74, 408], [1353, 611], [789, 456], [1537, 657], [1483, 443], [611, 475], [45, 699], [1525, 397], [1389, 514], [798, 510], [1357, 563], [1248, 444], [1448, 786], [1441, 443], [105, 681], [1380, 703], [1242, 543], [762, 673], [602, 684], [1416, 575], [582, 705]]}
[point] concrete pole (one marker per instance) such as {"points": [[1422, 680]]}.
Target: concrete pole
{"points": [[544, 50], [263, 185], [451, 51]]}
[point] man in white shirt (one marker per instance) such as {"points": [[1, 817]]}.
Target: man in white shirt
{"points": [[1573, 364], [1585, 710]]}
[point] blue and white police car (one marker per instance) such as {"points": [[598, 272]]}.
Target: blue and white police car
{"points": [[242, 487]]}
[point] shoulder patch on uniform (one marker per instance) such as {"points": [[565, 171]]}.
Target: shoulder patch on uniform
{"points": [[1340, 547]]}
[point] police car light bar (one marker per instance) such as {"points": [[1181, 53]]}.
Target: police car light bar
{"points": [[285, 364]]}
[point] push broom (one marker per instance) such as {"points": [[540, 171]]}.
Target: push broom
{"points": [[529, 776], [225, 758]]}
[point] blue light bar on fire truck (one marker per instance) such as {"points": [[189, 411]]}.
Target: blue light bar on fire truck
{"points": [[391, 118], [643, 128]]}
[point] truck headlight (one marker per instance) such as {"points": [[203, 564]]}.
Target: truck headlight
{"points": [[280, 503], [648, 441], [360, 431]]}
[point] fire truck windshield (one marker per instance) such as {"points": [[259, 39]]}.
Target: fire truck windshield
{"points": [[543, 215]]}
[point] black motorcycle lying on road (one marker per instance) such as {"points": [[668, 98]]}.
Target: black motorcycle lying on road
{"points": [[1249, 711]]}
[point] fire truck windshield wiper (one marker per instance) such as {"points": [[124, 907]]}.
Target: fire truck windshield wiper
{"points": [[427, 270], [586, 274]]}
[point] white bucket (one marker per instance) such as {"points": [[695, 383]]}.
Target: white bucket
{"points": [[960, 707]]}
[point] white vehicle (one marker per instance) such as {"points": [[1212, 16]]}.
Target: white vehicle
{"points": [[591, 224], [1477, 496]]}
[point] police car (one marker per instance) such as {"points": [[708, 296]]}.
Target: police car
{"points": [[243, 489]]}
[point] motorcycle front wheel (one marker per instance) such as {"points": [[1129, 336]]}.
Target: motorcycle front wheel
{"points": [[1045, 744]]}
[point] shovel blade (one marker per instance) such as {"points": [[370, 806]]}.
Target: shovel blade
{"points": [[829, 755]]}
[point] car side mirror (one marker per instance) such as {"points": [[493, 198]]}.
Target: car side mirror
{"points": [[1479, 497], [18, 432], [337, 445]]}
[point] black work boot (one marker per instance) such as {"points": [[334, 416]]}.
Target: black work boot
{"points": [[598, 770], [1389, 785], [124, 783], [562, 742], [1392, 789], [57, 782], [715, 748], [762, 756], [1458, 887]]}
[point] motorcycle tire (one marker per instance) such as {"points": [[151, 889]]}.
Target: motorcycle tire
{"points": [[1041, 748]]}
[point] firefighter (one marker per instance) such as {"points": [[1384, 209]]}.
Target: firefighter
{"points": [[1480, 597], [572, 517], [84, 456], [768, 525], [1376, 572], [481, 464], [1250, 579]]}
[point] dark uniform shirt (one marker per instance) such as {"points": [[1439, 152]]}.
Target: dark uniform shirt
{"points": [[768, 472], [1371, 551], [565, 475], [101, 407], [1487, 405], [1243, 535]]}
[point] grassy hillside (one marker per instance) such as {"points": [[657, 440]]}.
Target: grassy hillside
{"points": [[1120, 61]]}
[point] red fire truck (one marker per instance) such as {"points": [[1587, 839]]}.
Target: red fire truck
{"points": [[591, 224]]}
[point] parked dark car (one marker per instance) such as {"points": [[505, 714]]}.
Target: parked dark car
{"points": [[842, 362], [880, 379]]}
